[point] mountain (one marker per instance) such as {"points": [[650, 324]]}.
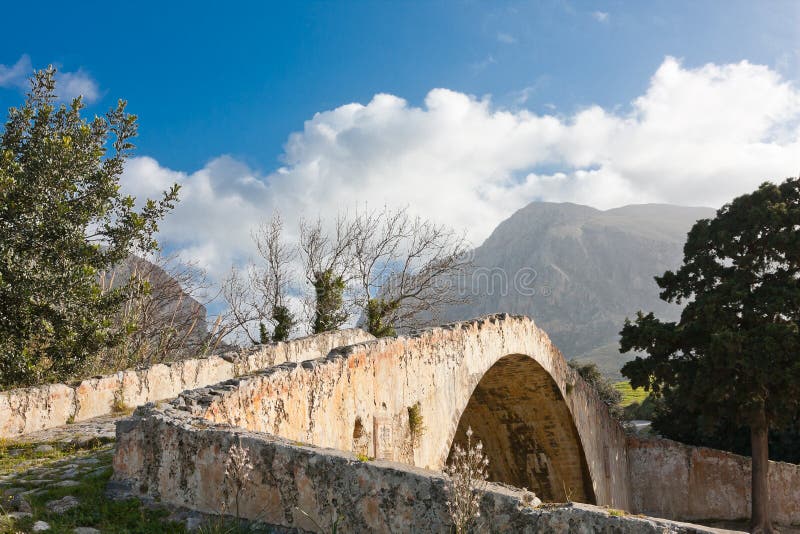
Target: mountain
{"points": [[168, 306], [579, 272]]}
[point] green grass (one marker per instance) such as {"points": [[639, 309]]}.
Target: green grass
{"points": [[95, 509], [16, 457], [630, 395]]}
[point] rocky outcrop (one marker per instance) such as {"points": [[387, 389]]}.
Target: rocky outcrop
{"points": [[27, 410]]}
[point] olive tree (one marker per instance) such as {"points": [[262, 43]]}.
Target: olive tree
{"points": [[63, 221]]}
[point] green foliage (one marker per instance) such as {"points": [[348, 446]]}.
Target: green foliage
{"points": [[378, 310], [7, 524], [263, 334], [15, 457], [329, 313], [63, 221], [118, 405], [636, 403], [604, 387], [734, 352], [416, 423], [284, 323], [644, 410]]}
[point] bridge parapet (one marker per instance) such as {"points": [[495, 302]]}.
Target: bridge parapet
{"points": [[27, 410]]}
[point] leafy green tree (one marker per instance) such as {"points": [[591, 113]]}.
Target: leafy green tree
{"points": [[329, 312], [645, 410], [284, 323], [735, 353], [63, 221]]}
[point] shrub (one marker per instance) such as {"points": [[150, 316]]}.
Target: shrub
{"points": [[467, 473]]}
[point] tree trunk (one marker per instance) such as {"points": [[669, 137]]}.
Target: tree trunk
{"points": [[759, 433]]}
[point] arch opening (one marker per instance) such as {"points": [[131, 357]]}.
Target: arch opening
{"points": [[527, 431]]}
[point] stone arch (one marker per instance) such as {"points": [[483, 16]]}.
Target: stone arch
{"points": [[518, 412], [318, 402]]}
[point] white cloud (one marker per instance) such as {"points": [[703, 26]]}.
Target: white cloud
{"points": [[600, 16], [16, 75], [506, 38], [68, 84], [695, 137], [72, 84]]}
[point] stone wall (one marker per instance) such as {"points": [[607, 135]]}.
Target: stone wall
{"points": [[31, 409], [544, 427], [673, 480], [166, 454]]}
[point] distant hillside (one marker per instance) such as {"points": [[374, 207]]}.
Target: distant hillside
{"points": [[592, 269], [169, 304]]}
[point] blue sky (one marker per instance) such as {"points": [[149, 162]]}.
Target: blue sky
{"points": [[463, 111], [209, 78]]}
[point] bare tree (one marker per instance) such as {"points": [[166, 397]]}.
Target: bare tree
{"points": [[243, 306], [259, 295], [404, 266], [327, 260], [273, 281], [394, 269], [165, 320]]}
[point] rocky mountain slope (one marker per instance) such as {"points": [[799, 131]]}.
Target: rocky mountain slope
{"points": [[579, 271]]}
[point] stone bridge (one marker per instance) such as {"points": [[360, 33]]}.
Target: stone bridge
{"points": [[314, 427], [542, 427]]}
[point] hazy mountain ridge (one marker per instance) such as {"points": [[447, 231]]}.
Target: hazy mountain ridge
{"points": [[592, 269]]}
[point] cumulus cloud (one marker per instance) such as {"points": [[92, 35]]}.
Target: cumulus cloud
{"points": [[600, 16], [695, 137], [68, 84]]}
